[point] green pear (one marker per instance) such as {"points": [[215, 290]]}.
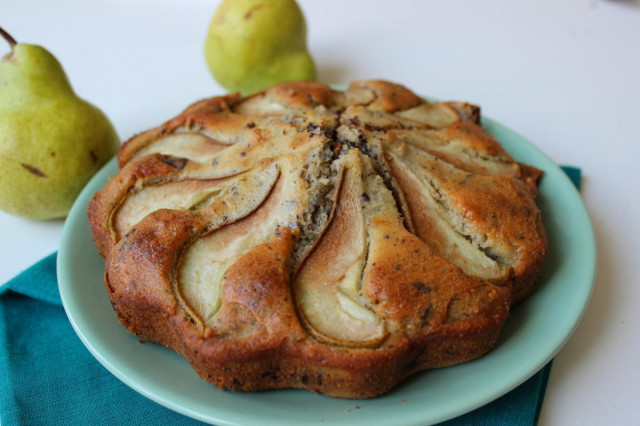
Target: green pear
{"points": [[51, 141], [253, 44]]}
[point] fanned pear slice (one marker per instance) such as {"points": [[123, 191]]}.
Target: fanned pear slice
{"points": [[329, 299], [436, 115], [202, 267], [176, 195], [495, 214], [209, 117], [465, 145], [207, 159], [147, 184], [286, 98], [432, 219], [192, 145]]}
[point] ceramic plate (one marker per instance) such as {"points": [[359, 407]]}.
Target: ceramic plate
{"points": [[536, 331]]}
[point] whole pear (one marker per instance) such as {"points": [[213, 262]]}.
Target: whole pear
{"points": [[51, 141], [253, 44]]}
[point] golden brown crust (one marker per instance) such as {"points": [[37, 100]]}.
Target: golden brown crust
{"points": [[201, 115], [387, 97], [309, 238]]}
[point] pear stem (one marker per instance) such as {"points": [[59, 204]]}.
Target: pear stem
{"points": [[12, 41]]}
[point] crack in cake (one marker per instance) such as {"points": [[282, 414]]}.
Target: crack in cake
{"points": [[305, 237]]}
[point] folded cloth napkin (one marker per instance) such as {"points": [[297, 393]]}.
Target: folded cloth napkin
{"points": [[47, 376]]}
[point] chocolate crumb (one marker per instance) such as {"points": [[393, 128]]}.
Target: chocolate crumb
{"points": [[175, 162], [422, 287]]}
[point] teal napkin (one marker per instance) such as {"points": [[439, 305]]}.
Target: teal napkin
{"points": [[47, 376]]}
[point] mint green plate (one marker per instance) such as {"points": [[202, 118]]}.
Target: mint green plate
{"points": [[536, 331]]}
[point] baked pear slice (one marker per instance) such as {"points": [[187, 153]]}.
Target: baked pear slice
{"points": [[432, 222], [192, 145], [329, 299], [489, 226], [152, 183], [144, 261], [200, 276], [464, 145]]}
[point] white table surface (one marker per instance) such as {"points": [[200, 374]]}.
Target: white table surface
{"points": [[566, 75]]}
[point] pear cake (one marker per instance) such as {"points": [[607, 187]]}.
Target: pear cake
{"points": [[331, 240]]}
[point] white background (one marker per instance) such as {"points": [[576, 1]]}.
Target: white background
{"points": [[564, 74]]}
